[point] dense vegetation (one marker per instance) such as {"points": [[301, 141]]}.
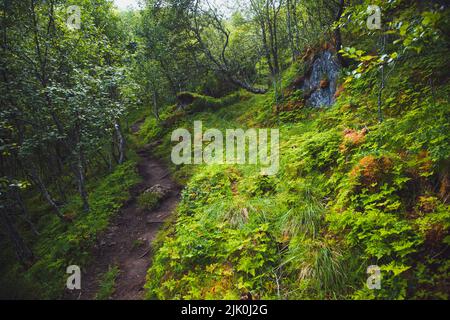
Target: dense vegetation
{"points": [[364, 181], [64, 94]]}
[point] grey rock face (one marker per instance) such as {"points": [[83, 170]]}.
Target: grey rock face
{"points": [[322, 82]]}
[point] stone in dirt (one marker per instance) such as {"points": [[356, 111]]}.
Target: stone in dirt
{"points": [[160, 190]]}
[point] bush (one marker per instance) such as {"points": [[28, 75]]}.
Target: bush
{"points": [[149, 200]]}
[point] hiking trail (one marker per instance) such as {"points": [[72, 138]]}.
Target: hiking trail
{"points": [[117, 246]]}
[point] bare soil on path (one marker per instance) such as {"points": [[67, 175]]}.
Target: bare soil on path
{"points": [[127, 243]]}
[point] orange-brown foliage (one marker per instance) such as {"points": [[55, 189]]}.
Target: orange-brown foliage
{"points": [[435, 236], [324, 83], [371, 170], [423, 165], [292, 105], [445, 186], [70, 216], [309, 54], [353, 138], [427, 204], [340, 89]]}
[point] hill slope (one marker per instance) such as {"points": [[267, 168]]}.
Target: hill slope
{"points": [[351, 193]]}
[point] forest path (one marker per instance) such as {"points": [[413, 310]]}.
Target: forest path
{"points": [[128, 241]]}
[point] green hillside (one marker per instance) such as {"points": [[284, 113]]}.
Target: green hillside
{"points": [[351, 192]]}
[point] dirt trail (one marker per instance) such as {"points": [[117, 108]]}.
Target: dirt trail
{"points": [[118, 246]]}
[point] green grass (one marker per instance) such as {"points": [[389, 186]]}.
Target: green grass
{"points": [[108, 284]]}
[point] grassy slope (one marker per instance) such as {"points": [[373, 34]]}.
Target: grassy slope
{"points": [[350, 193]]}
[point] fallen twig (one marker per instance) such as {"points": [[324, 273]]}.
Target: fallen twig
{"points": [[145, 253]]}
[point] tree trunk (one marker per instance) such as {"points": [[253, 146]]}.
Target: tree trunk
{"points": [[121, 142], [81, 181], [221, 64], [295, 25], [23, 252], [155, 105], [266, 46], [337, 34], [24, 212], [382, 80], [45, 193], [290, 30]]}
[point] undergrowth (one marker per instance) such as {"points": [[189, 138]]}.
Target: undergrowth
{"points": [[351, 192], [62, 244], [107, 284]]}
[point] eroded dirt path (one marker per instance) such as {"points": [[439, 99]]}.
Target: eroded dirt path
{"points": [[128, 241]]}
